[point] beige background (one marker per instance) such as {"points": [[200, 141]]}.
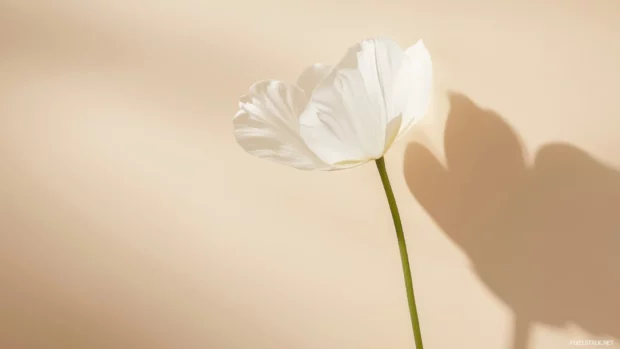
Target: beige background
{"points": [[130, 218]]}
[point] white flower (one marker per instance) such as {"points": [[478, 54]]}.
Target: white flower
{"points": [[341, 117]]}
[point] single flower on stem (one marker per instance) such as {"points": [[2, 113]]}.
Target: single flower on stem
{"points": [[340, 117]]}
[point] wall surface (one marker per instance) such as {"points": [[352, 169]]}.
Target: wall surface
{"points": [[130, 218]]}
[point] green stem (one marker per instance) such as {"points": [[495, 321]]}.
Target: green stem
{"points": [[404, 256]]}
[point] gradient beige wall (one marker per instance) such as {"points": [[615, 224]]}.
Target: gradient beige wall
{"points": [[130, 218]]}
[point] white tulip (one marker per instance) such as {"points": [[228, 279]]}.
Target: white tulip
{"points": [[341, 117], [337, 118]]}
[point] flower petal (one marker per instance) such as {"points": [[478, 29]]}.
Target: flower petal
{"points": [[267, 125], [419, 76], [310, 78], [349, 114]]}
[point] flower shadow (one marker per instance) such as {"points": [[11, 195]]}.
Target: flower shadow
{"points": [[541, 235]]}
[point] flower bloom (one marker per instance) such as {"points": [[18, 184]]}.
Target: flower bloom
{"points": [[338, 117]]}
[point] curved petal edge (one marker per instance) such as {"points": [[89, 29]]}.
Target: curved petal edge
{"points": [[267, 125]]}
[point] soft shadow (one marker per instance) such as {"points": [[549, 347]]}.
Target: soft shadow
{"points": [[542, 236]]}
